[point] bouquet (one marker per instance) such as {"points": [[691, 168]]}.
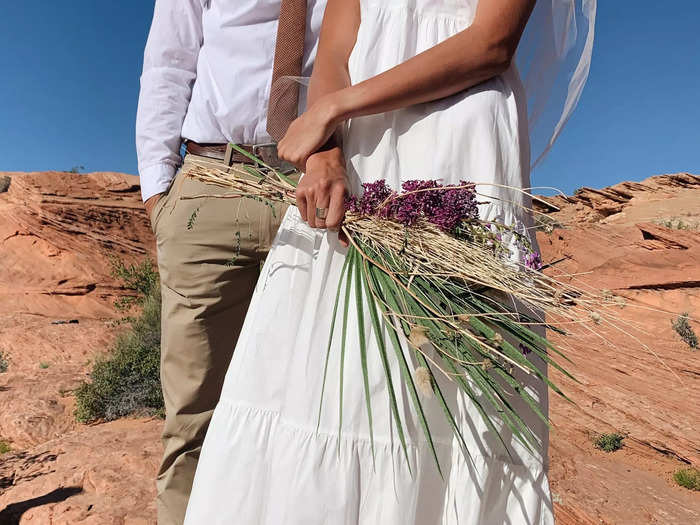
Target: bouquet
{"points": [[427, 271]]}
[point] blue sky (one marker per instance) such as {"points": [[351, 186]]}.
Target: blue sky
{"points": [[71, 71]]}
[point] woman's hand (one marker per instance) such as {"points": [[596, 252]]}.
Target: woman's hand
{"points": [[323, 187], [309, 132]]}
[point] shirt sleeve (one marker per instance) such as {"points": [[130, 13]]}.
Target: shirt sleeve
{"points": [[169, 72]]}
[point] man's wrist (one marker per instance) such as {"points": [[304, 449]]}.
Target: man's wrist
{"points": [[330, 153]]}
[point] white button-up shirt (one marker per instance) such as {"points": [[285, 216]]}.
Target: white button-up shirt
{"points": [[206, 77]]}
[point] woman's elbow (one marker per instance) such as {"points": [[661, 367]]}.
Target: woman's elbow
{"points": [[499, 57]]}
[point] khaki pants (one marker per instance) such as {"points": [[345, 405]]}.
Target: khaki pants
{"points": [[209, 256]]}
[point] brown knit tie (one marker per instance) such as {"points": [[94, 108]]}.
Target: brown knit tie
{"points": [[289, 54]]}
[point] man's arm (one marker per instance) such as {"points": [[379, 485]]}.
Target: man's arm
{"points": [[169, 71]]}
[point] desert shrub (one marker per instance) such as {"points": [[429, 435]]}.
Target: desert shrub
{"points": [[44, 365], [4, 362], [676, 223], [142, 278], [5, 183], [609, 442], [685, 331], [4, 447], [126, 380], [688, 478]]}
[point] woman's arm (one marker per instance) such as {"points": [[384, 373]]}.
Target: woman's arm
{"points": [[480, 52], [324, 184], [338, 35]]}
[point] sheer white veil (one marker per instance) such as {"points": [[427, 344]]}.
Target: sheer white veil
{"points": [[554, 58]]}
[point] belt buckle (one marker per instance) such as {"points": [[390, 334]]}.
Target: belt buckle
{"points": [[268, 154]]}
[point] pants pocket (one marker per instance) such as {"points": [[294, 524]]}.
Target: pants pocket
{"points": [[157, 210]]}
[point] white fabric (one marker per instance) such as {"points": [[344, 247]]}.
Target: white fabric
{"points": [[206, 77], [264, 460], [554, 58]]}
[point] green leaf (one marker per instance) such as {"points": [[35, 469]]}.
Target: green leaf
{"points": [[360, 279], [390, 290], [330, 338], [381, 346], [257, 160], [346, 306], [486, 388], [445, 407]]}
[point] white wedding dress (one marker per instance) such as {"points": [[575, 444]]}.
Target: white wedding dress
{"points": [[268, 457]]}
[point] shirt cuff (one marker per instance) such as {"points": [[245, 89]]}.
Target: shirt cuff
{"points": [[156, 179]]}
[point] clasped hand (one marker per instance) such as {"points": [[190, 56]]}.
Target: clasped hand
{"points": [[324, 184]]}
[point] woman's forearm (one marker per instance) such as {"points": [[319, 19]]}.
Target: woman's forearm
{"points": [[338, 35], [480, 52], [327, 77]]}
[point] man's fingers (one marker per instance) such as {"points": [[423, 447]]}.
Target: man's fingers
{"points": [[336, 209], [311, 209], [301, 204], [323, 202]]}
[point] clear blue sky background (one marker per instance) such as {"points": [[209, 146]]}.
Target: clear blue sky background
{"points": [[70, 76]]}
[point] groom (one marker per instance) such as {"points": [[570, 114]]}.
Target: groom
{"points": [[208, 69]]}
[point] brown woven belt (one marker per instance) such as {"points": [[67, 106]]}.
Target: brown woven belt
{"points": [[225, 153]]}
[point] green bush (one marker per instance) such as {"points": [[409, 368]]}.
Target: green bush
{"points": [[683, 329], [688, 478], [5, 183], [126, 381], [4, 447], [609, 442], [676, 223], [4, 362], [142, 278]]}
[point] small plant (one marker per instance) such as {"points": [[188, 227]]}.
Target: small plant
{"points": [[688, 478], [609, 442], [44, 365], [4, 362], [545, 223], [4, 447], [76, 169], [682, 327], [5, 181], [142, 278], [126, 381], [676, 223]]}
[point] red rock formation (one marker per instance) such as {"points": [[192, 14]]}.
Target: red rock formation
{"points": [[58, 230], [57, 234], [645, 385]]}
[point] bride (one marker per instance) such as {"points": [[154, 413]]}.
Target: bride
{"points": [[415, 89]]}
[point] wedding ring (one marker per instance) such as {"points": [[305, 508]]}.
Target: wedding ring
{"points": [[321, 213]]}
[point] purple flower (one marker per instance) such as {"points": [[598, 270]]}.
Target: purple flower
{"points": [[408, 207], [444, 206], [352, 204], [373, 194], [533, 260], [456, 205]]}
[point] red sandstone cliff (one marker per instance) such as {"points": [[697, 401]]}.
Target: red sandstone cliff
{"points": [[58, 230]]}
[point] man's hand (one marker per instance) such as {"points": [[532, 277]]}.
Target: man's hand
{"points": [[151, 202], [324, 185]]}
